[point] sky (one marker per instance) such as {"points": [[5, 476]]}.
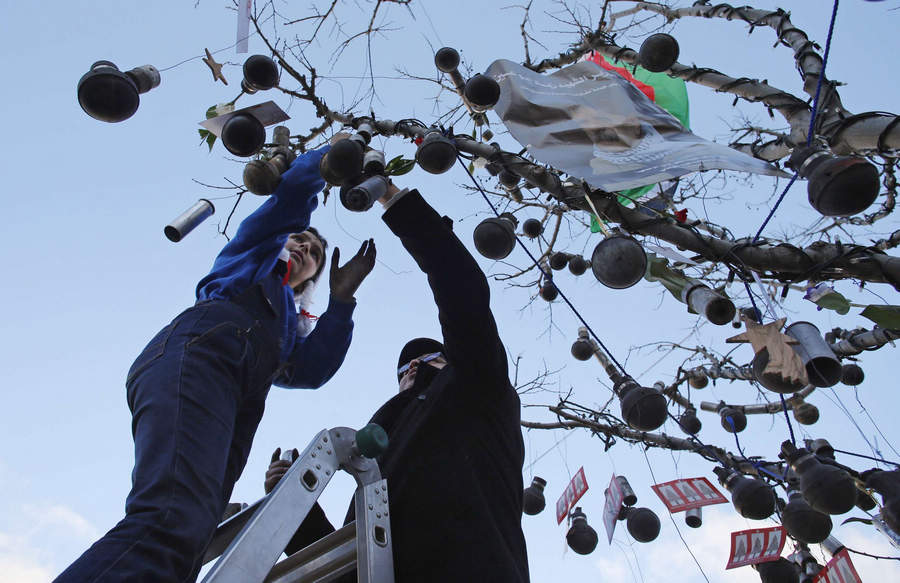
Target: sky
{"points": [[90, 278]]}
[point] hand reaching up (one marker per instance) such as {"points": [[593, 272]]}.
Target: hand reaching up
{"points": [[345, 280], [278, 468]]}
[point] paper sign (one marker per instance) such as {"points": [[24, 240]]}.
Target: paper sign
{"points": [[614, 497], [574, 491], [679, 495], [838, 570], [267, 113], [243, 26], [757, 545]]}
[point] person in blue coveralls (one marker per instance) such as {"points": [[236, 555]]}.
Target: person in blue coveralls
{"points": [[198, 389]]}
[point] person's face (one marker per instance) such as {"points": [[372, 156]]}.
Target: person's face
{"points": [[408, 377], [307, 255]]}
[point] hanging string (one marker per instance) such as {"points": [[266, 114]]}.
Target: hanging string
{"points": [[553, 448], [868, 457], [755, 464], [809, 136], [815, 107], [678, 530], [787, 418], [546, 274], [215, 52], [875, 425], [812, 117]]}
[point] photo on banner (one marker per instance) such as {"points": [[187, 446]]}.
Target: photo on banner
{"points": [[839, 569], [757, 545], [688, 493]]}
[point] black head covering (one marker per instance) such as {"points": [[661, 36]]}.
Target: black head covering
{"points": [[418, 347]]}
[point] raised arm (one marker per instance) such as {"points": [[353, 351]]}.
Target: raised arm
{"points": [[459, 286], [317, 357], [262, 234]]}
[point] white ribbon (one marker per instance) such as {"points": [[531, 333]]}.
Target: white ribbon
{"points": [[243, 26]]}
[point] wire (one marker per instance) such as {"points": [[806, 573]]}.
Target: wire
{"points": [[849, 415], [757, 465], [555, 446], [178, 64], [873, 556], [875, 425], [546, 274], [812, 119], [627, 560], [787, 418], [337, 221], [775, 206], [678, 530], [815, 107], [877, 459]]}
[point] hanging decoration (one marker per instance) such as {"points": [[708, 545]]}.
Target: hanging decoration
{"points": [[839, 568], [688, 493], [614, 497], [574, 491], [243, 26], [215, 67], [783, 364], [757, 545], [616, 138]]}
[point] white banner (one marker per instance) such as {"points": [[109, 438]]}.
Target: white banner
{"points": [[593, 124], [243, 26]]}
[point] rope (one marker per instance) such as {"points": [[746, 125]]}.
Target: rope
{"points": [[868, 457], [759, 467], [787, 418], [812, 118], [809, 136], [675, 524]]}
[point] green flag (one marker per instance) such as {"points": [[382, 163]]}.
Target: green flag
{"points": [[670, 93]]}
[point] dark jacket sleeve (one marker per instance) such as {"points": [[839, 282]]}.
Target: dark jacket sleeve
{"points": [[315, 526], [460, 289]]}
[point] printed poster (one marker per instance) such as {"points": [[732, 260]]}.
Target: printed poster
{"points": [[838, 570], [574, 491], [757, 545], [614, 497], [685, 494]]}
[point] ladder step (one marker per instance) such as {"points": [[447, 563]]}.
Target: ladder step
{"points": [[325, 560]]}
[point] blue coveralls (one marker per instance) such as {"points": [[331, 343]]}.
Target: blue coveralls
{"points": [[197, 393]]}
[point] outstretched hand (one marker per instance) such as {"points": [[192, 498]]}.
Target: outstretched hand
{"points": [[278, 468], [344, 281]]}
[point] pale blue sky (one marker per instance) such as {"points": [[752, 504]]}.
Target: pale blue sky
{"points": [[90, 276]]}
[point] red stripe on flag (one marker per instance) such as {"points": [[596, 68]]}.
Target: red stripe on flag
{"points": [[647, 90]]}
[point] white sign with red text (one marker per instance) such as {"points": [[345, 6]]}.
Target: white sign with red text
{"points": [[574, 491]]}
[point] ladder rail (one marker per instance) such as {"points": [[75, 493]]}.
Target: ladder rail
{"points": [[375, 558], [256, 548], [251, 541]]}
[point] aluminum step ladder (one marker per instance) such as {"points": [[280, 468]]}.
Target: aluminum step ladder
{"points": [[251, 541]]}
